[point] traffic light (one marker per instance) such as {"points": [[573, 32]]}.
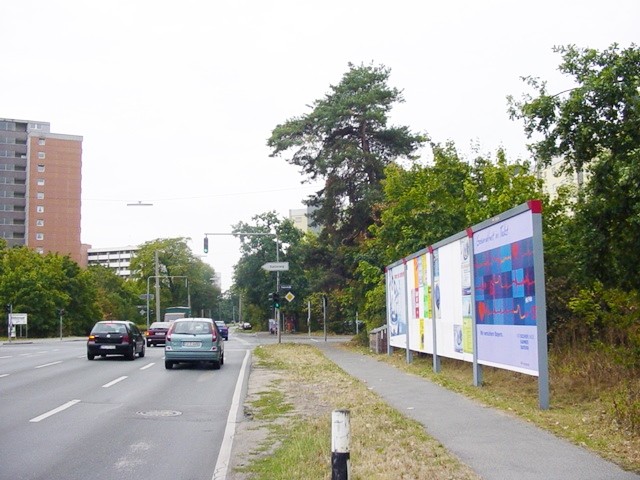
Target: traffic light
{"points": [[276, 300], [7, 308], [206, 244]]}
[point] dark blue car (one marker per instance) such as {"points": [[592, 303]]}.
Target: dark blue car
{"points": [[223, 329]]}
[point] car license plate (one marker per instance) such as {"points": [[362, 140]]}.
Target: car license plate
{"points": [[108, 347], [191, 344], [161, 333]]}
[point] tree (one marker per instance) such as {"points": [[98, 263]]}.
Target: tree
{"points": [[182, 276], [595, 129], [43, 285], [116, 299], [254, 283], [346, 141]]}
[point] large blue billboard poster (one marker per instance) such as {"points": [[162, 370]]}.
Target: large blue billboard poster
{"points": [[505, 300]]}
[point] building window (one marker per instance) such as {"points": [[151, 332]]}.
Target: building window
{"points": [[40, 195], [40, 209], [41, 167], [39, 236], [41, 182], [39, 223], [41, 141], [41, 155]]}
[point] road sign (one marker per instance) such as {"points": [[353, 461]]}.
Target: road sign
{"points": [[289, 296], [146, 296], [285, 287], [276, 266], [18, 319]]}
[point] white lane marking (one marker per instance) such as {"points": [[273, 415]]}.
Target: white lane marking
{"points": [[54, 411], [4, 375], [6, 356], [147, 366], [107, 385], [222, 464], [48, 364]]}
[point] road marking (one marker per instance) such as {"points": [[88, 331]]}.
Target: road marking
{"points": [[4, 375], [6, 356], [107, 385], [148, 366], [54, 411], [222, 464], [48, 364]]}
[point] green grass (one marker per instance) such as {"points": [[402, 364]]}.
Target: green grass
{"points": [[296, 409]]}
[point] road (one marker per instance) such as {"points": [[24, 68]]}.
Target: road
{"points": [[65, 417]]}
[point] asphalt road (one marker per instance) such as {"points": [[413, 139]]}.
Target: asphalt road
{"points": [[65, 417]]}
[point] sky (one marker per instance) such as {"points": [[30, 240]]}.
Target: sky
{"points": [[175, 101]]}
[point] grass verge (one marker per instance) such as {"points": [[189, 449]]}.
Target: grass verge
{"points": [[295, 407], [586, 389]]}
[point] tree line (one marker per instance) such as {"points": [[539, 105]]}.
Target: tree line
{"points": [[50, 286], [380, 201]]}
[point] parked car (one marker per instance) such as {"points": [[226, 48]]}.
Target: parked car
{"points": [[115, 337], [193, 340], [156, 333], [223, 329], [245, 326]]}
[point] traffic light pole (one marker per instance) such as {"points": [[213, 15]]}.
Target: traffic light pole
{"points": [[257, 234]]}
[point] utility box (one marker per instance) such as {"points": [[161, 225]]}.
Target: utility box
{"points": [[378, 340]]}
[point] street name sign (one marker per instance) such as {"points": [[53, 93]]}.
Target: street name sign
{"points": [[276, 266]]}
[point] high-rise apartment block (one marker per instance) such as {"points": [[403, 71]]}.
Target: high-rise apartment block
{"points": [[40, 188]]}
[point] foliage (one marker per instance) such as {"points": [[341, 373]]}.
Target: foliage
{"points": [[116, 299], [46, 287], [183, 278], [259, 246], [593, 129], [346, 141], [612, 318]]}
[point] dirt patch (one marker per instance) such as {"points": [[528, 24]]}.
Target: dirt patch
{"points": [[250, 439]]}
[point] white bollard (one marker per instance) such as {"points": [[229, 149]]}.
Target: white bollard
{"points": [[340, 439]]}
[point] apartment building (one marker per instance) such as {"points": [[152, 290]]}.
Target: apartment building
{"points": [[40, 188], [117, 258], [301, 219]]}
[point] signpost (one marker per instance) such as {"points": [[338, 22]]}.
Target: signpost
{"points": [[276, 266]]}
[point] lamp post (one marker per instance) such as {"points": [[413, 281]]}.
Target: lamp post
{"points": [[158, 277]]}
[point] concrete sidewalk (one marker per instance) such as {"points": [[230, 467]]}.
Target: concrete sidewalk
{"points": [[495, 445]]}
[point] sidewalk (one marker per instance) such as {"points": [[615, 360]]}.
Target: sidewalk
{"points": [[495, 445]]}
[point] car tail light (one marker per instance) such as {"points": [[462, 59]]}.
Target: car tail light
{"points": [[92, 338], [125, 338], [214, 337]]}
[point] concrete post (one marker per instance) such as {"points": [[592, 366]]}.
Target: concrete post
{"points": [[340, 439]]}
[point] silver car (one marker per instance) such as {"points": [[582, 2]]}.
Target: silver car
{"points": [[193, 340]]}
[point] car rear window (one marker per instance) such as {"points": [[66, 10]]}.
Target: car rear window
{"points": [[109, 328], [192, 328], [159, 325]]}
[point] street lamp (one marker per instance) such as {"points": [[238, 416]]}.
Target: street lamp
{"points": [[157, 277]]}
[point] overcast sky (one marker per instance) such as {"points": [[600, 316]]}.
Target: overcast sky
{"points": [[175, 100]]}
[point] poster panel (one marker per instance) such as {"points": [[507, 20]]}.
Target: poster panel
{"points": [[505, 300], [419, 303], [397, 306], [452, 296]]}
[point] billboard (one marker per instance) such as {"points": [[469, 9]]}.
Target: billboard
{"points": [[477, 296], [505, 297], [397, 306]]}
